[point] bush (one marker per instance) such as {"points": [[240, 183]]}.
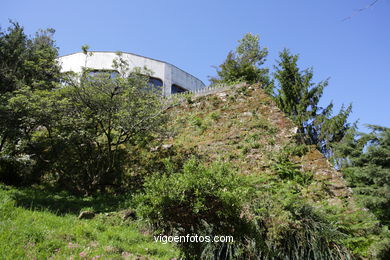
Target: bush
{"points": [[199, 199]]}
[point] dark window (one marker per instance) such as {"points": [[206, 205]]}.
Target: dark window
{"points": [[177, 89], [156, 82]]}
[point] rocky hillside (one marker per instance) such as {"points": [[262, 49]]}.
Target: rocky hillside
{"points": [[242, 124]]}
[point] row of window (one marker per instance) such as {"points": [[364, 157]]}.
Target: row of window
{"points": [[154, 83]]}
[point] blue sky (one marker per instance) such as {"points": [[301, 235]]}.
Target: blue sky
{"points": [[196, 35]]}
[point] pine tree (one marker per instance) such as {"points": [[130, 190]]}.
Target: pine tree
{"points": [[245, 63], [299, 98], [364, 158]]}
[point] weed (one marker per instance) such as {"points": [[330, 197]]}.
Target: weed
{"points": [[215, 115]]}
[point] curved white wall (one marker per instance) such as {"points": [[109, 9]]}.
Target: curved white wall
{"points": [[168, 73]]}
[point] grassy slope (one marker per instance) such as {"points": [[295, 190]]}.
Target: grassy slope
{"points": [[41, 234]]}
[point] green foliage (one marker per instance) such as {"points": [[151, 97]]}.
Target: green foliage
{"points": [[295, 230], [195, 194], [144, 161], [288, 170], [296, 150], [107, 114], [27, 64], [189, 201], [244, 64], [27, 60], [198, 123], [299, 98], [77, 135], [365, 237], [267, 218], [365, 162], [215, 115]]}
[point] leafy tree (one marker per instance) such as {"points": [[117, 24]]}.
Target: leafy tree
{"points": [[110, 114], [27, 64], [73, 131], [27, 61], [245, 63], [92, 124], [299, 98], [364, 158]]}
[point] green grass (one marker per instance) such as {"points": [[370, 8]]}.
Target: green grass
{"points": [[33, 234], [61, 202]]}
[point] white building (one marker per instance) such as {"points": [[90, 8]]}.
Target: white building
{"points": [[169, 77]]}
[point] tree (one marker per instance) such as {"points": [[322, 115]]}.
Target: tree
{"points": [[110, 114], [27, 64], [364, 158], [299, 98], [245, 63], [92, 122], [69, 130]]}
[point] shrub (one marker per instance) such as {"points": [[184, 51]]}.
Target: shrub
{"points": [[288, 170], [199, 200]]}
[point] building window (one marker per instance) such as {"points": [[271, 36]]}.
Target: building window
{"points": [[111, 74], [177, 89], [156, 82], [155, 85]]}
